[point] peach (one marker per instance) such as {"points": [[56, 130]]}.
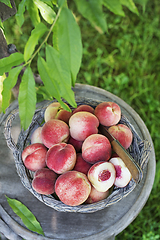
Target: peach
{"points": [[51, 111], [122, 133], [54, 131], [34, 156], [81, 165], [61, 157], [83, 107], [55, 111], [44, 181], [123, 175], [75, 143], [72, 188], [36, 136], [96, 148], [83, 124], [96, 196], [108, 113], [102, 176]]}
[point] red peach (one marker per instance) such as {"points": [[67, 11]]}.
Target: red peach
{"points": [[75, 143], [34, 156], [54, 131], [36, 136], [84, 108], [51, 111], [61, 158], [122, 133], [108, 113], [44, 181], [81, 165], [123, 175], [96, 148], [96, 196], [55, 111], [102, 176], [63, 115], [72, 188], [82, 125]]}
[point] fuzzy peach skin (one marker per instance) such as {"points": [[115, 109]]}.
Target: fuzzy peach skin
{"points": [[108, 113], [96, 148], [83, 124], [55, 111], [85, 108], [102, 176], [61, 157], [34, 156], [51, 111], [123, 175], [122, 133], [44, 181], [75, 143], [81, 165], [54, 131], [96, 196], [36, 136], [72, 188]]}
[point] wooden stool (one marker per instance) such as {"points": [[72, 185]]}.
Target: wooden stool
{"points": [[103, 224]]}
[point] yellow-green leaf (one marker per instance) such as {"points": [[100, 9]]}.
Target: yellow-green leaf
{"points": [[67, 39], [46, 11], [26, 215], [36, 34], [8, 84], [92, 10], [27, 98]]}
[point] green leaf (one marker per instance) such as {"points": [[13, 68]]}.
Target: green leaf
{"points": [[130, 5], [47, 78], [20, 13], [114, 6], [8, 62], [26, 215], [46, 11], [27, 98], [60, 71], [43, 91], [92, 10], [6, 2], [36, 34], [142, 3], [48, 2], [67, 39], [33, 12], [8, 84], [61, 2]]}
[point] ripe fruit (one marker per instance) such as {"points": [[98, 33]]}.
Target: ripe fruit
{"points": [[72, 188], [54, 131], [108, 113], [122, 133], [44, 181], [82, 125], [102, 176], [34, 156], [61, 157], [123, 175], [96, 148]]}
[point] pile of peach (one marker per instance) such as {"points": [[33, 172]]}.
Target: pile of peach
{"points": [[72, 159]]}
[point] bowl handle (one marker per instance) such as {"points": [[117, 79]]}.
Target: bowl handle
{"points": [[7, 131]]}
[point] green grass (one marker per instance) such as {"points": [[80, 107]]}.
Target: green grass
{"points": [[126, 62]]}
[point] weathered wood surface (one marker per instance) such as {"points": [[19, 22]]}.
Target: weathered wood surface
{"points": [[104, 224], [6, 12]]}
